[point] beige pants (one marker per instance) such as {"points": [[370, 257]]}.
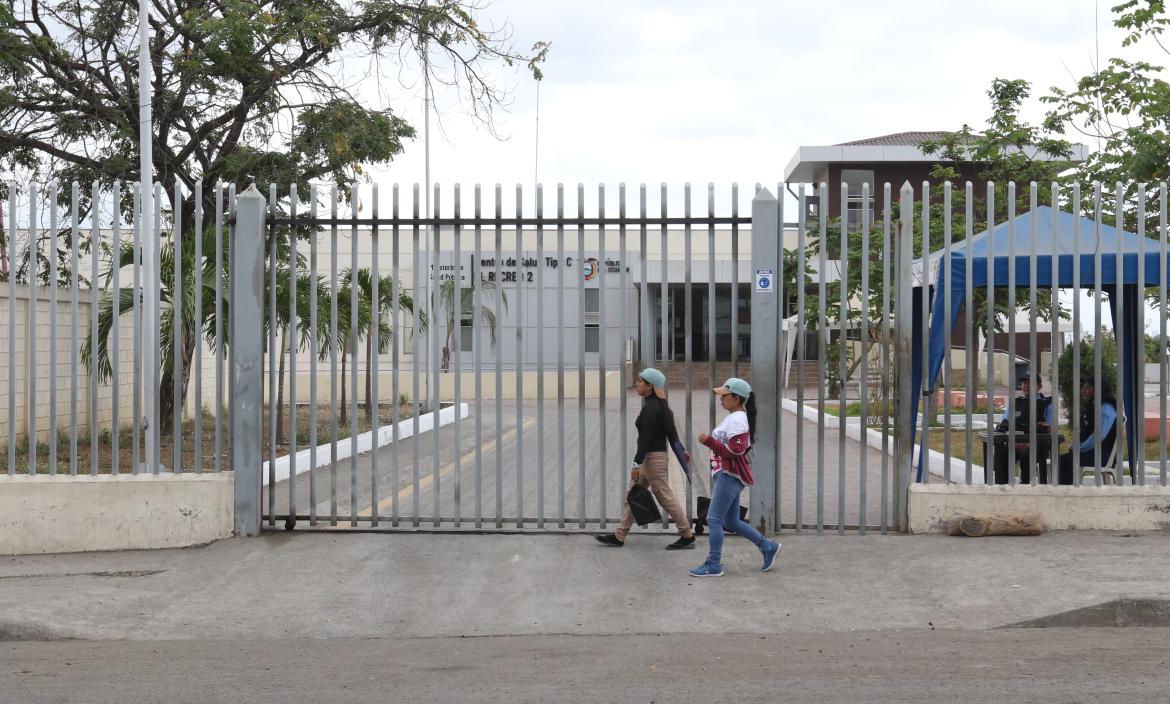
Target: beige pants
{"points": [[654, 474]]}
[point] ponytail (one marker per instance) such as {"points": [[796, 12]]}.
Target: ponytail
{"points": [[749, 407]]}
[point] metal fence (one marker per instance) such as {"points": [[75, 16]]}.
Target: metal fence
{"points": [[1050, 259], [80, 398], [466, 359]]}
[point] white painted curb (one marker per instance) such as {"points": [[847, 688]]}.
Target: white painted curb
{"points": [[364, 441], [874, 439]]}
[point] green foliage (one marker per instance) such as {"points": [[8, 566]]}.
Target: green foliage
{"points": [[245, 91], [1070, 377], [470, 307], [1008, 151], [1124, 107]]}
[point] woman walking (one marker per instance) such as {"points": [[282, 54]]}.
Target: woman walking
{"points": [[655, 431], [731, 470]]}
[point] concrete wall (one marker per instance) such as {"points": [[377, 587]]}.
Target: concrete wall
{"points": [[1122, 508], [50, 514], [14, 371]]}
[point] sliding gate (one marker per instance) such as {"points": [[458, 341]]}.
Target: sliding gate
{"points": [[482, 347]]}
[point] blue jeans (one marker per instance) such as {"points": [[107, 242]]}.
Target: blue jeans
{"points": [[724, 511]]}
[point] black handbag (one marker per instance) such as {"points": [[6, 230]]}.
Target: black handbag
{"points": [[642, 505], [700, 520]]}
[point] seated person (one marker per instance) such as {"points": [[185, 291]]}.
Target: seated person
{"points": [[1029, 388], [1089, 427]]}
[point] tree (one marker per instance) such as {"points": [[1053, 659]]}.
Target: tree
{"points": [[303, 332], [1070, 381], [386, 305], [469, 307], [1008, 150], [353, 336], [244, 92], [1124, 107], [204, 281]]}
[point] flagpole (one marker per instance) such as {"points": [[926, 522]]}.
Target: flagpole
{"points": [[150, 273]]}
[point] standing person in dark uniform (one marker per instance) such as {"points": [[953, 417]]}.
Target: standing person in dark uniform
{"points": [[655, 431], [1093, 428], [1023, 425]]}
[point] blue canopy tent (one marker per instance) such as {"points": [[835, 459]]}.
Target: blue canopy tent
{"points": [[1060, 240]]}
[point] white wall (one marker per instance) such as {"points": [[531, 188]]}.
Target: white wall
{"points": [[58, 374]]}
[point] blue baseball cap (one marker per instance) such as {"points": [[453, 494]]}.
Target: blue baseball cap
{"points": [[655, 378], [736, 386]]}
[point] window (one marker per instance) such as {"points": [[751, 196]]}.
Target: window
{"points": [[592, 323], [592, 342], [592, 301], [466, 335], [857, 204], [407, 338]]}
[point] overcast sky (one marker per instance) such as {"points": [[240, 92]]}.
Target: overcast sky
{"points": [[682, 90]]}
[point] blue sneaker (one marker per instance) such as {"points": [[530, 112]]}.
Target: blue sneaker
{"points": [[771, 550], [707, 570]]}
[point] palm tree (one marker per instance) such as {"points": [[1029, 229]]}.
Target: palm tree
{"points": [[350, 337], [304, 333], [469, 307], [386, 304], [205, 328]]}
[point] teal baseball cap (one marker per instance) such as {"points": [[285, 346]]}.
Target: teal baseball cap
{"points": [[736, 386], [655, 378]]}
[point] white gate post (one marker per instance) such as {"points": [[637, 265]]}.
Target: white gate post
{"points": [[247, 332], [765, 339]]}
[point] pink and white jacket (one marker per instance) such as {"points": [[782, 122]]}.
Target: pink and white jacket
{"points": [[730, 444]]}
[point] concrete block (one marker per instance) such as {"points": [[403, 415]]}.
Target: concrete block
{"points": [[1119, 508], [62, 513]]}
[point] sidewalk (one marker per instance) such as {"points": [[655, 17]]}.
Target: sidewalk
{"points": [[319, 585]]}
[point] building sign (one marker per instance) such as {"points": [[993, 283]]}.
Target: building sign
{"points": [[515, 271]]}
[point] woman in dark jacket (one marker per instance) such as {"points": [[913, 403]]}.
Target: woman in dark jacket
{"points": [[1093, 430], [656, 431]]}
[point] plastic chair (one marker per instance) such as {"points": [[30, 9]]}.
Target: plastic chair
{"points": [[1110, 464]]}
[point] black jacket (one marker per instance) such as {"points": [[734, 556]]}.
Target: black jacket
{"points": [[1023, 407], [655, 428]]}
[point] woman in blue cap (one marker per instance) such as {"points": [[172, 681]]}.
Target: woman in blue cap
{"points": [[656, 430], [731, 470]]}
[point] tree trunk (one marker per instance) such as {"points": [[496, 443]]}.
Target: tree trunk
{"points": [[447, 349], [166, 391], [973, 360], [280, 391], [370, 377], [979, 525], [344, 411]]}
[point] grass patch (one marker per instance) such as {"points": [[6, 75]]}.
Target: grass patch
{"points": [[958, 437], [105, 447]]}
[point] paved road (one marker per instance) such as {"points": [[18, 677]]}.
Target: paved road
{"points": [[439, 618], [900, 667], [520, 453]]}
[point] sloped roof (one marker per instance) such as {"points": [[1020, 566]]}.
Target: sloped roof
{"points": [[898, 139]]}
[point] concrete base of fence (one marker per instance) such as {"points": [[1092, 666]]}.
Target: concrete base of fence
{"points": [[1122, 508], [52, 514]]}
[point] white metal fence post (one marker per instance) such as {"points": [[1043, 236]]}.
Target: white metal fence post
{"points": [[903, 349]]}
